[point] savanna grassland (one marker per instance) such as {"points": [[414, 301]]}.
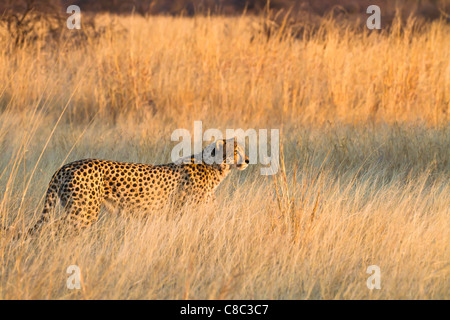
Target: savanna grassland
{"points": [[364, 177]]}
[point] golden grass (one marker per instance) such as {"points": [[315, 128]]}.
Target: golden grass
{"points": [[364, 181]]}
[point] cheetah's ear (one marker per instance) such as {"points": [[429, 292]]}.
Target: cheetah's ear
{"points": [[219, 144]]}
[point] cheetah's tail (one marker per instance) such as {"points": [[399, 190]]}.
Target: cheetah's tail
{"points": [[49, 205]]}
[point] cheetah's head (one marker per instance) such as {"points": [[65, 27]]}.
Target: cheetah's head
{"points": [[226, 152]]}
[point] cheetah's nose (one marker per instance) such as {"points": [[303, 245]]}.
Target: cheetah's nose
{"points": [[247, 161]]}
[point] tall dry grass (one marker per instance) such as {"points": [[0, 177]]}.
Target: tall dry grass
{"points": [[365, 163]]}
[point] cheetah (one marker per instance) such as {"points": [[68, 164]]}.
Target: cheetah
{"points": [[83, 186]]}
